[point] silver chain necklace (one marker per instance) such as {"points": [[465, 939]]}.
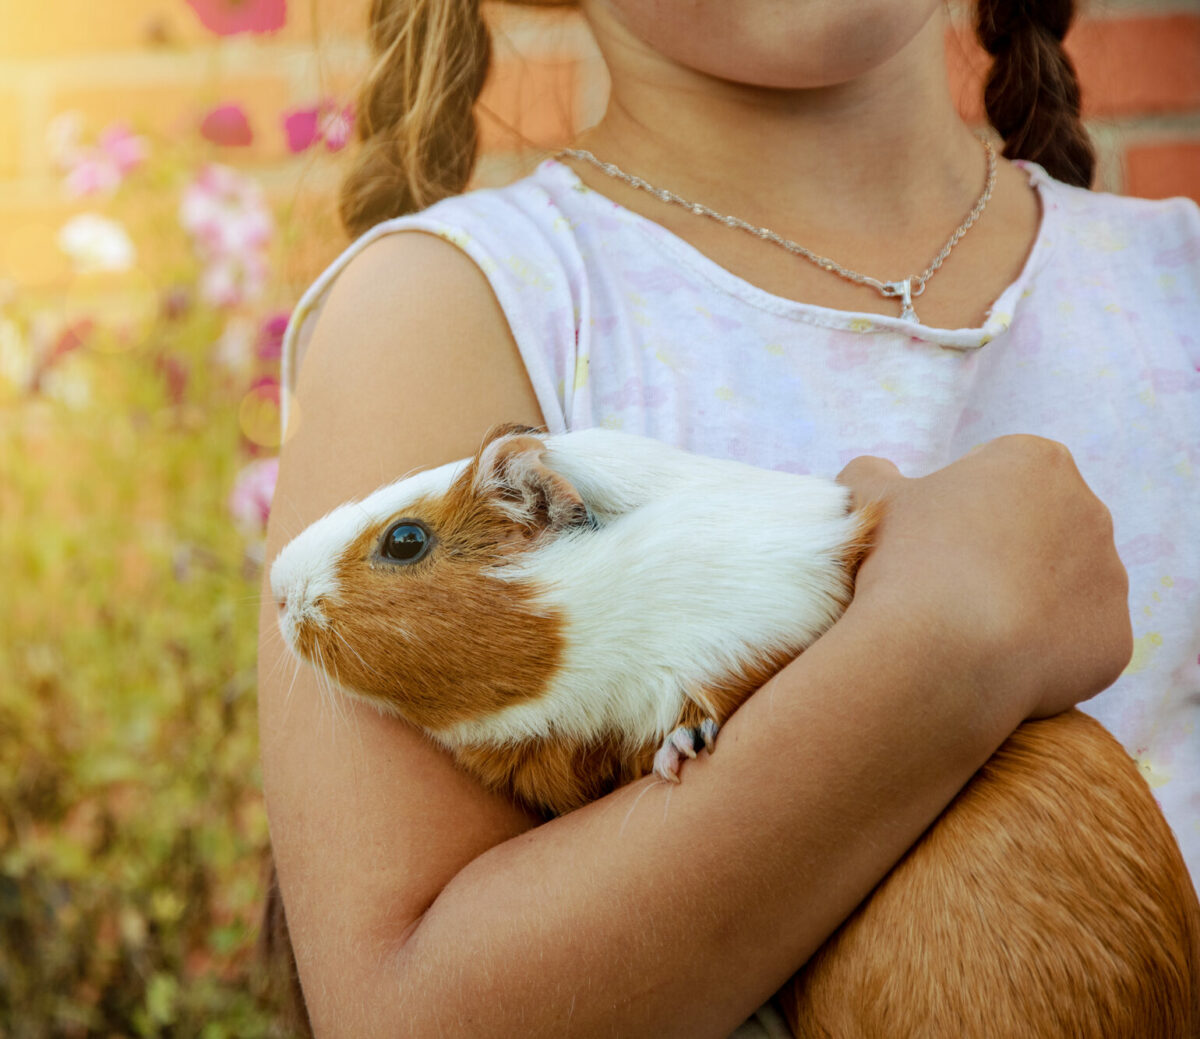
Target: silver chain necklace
{"points": [[905, 290]]}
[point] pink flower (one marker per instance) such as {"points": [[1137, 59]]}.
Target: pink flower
{"points": [[250, 499], [269, 346], [229, 281], [227, 217], [125, 150], [334, 125], [92, 175], [98, 169], [230, 17], [300, 125], [228, 126], [325, 122], [266, 387]]}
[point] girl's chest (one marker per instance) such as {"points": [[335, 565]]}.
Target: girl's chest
{"points": [[725, 379]]}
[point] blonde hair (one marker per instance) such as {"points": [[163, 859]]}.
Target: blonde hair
{"points": [[430, 59], [416, 108]]}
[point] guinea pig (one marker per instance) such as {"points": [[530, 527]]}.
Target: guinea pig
{"points": [[567, 613], [546, 610]]}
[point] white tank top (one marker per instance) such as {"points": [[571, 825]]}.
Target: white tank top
{"points": [[622, 324]]}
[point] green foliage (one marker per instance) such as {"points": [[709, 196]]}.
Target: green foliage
{"points": [[132, 830]]}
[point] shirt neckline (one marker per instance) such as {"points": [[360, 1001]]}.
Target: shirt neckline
{"points": [[999, 316]]}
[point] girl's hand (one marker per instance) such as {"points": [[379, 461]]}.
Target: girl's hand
{"points": [[1008, 558]]}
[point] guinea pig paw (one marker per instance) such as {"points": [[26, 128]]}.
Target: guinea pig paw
{"points": [[708, 733], [667, 762], [683, 740], [679, 745]]}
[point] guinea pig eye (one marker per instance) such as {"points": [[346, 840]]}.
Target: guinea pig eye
{"points": [[405, 542]]}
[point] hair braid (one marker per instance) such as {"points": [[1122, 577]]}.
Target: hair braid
{"points": [[1032, 92], [415, 109]]}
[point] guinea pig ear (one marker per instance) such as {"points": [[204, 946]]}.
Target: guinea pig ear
{"points": [[506, 429], [511, 473]]}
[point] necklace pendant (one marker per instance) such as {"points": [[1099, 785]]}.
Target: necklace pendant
{"points": [[901, 290]]}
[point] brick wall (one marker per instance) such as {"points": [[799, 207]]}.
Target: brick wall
{"points": [[151, 63]]}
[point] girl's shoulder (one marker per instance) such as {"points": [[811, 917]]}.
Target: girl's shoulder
{"points": [[519, 236], [1158, 235]]}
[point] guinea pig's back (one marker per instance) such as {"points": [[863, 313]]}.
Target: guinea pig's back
{"points": [[1050, 899]]}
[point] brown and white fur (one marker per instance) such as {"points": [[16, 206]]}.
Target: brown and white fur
{"points": [[588, 601]]}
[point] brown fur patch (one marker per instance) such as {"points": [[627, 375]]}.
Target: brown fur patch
{"points": [[869, 516], [1050, 900], [721, 698], [553, 776], [439, 641]]}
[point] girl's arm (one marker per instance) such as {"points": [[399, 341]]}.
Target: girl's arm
{"points": [[419, 904]]}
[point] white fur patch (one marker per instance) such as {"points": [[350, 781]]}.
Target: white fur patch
{"points": [[303, 574], [696, 566]]}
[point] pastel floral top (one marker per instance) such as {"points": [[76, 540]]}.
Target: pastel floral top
{"points": [[1097, 344]]}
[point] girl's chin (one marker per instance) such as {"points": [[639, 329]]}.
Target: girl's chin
{"points": [[762, 43]]}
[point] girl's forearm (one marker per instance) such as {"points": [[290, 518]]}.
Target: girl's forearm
{"points": [[676, 910]]}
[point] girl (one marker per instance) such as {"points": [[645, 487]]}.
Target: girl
{"points": [[1005, 302]]}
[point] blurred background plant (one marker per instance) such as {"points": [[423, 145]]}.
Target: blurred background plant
{"points": [[169, 172], [139, 415], [138, 424]]}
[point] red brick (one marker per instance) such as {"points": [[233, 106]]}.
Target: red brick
{"points": [[1163, 170], [1127, 66], [91, 26], [78, 27], [1138, 65], [528, 104], [174, 107]]}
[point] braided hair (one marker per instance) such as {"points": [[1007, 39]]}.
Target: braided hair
{"points": [[415, 125], [416, 120], [430, 58], [1032, 93]]}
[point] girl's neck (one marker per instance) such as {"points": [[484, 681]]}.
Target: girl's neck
{"points": [[881, 152]]}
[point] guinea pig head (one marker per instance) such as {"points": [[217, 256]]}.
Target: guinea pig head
{"points": [[402, 598]]}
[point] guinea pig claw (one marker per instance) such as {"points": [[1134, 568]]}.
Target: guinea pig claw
{"points": [[683, 740], [666, 762], [682, 743], [679, 745]]}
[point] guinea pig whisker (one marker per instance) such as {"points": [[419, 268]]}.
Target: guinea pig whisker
{"points": [[323, 683], [335, 692], [629, 814], [770, 693], [356, 653], [281, 661]]}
